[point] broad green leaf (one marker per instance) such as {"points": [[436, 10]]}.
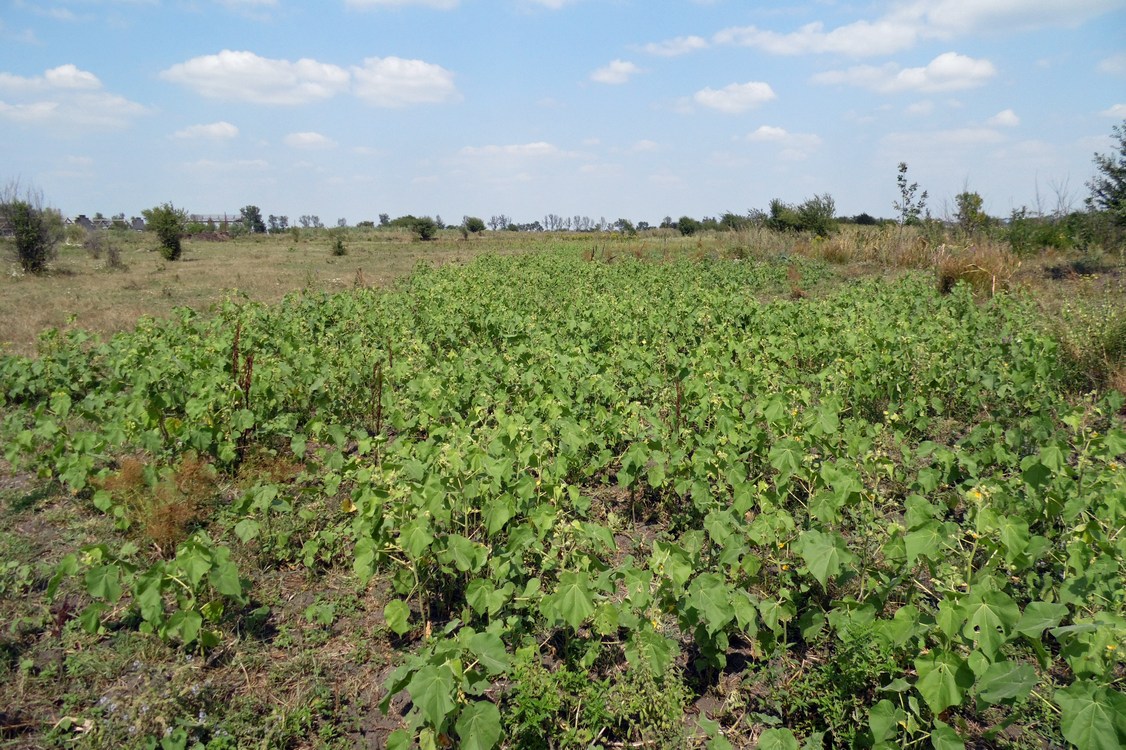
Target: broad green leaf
{"points": [[397, 615], [944, 679], [647, 646], [247, 529], [415, 537], [572, 601], [824, 554], [432, 690], [884, 719], [1006, 681], [777, 739], [185, 624], [786, 457], [104, 582], [225, 579], [1092, 716], [711, 597], [943, 737], [1038, 617], [478, 726], [489, 650], [924, 541], [990, 617]]}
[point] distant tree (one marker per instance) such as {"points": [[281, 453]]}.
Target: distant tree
{"points": [[668, 223], [36, 229], [733, 222], [1108, 188], [424, 227], [366, 224], [625, 226], [283, 223], [865, 220], [643, 226], [168, 222], [438, 221], [341, 223], [911, 210], [384, 220], [783, 217], [688, 226], [969, 214], [498, 222], [817, 214], [305, 220], [272, 223], [473, 224], [252, 219]]}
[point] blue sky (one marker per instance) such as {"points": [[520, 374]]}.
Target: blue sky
{"points": [[605, 108]]}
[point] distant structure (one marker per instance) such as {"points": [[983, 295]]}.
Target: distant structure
{"points": [[137, 224]]}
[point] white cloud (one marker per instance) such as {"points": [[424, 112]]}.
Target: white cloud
{"points": [[1117, 110], [946, 18], [617, 72], [792, 146], [920, 108], [906, 23], [858, 39], [736, 97], [65, 96], [1114, 65], [215, 130], [537, 149], [644, 145], [553, 4], [244, 76], [439, 4], [395, 82], [947, 72], [1005, 118], [681, 45], [68, 77], [308, 140]]}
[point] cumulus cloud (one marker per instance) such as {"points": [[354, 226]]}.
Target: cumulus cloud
{"points": [[308, 140], [216, 130], [1117, 110], [858, 39], [617, 72], [736, 97], [906, 23], [949, 71], [681, 45], [65, 96], [245, 76], [791, 145], [396, 82], [1005, 118]]}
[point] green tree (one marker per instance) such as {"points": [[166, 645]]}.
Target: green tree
{"points": [[687, 226], [168, 222], [252, 220], [817, 214], [968, 212], [36, 230], [473, 224], [911, 209], [1108, 188]]}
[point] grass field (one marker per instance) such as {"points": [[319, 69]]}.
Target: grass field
{"points": [[565, 491]]}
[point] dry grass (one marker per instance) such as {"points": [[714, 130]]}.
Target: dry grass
{"points": [[83, 289], [987, 267]]}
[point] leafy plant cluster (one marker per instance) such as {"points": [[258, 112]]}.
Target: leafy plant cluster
{"points": [[893, 483]]}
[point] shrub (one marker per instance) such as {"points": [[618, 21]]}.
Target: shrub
{"points": [[36, 230], [169, 223], [338, 246], [473, 224]]}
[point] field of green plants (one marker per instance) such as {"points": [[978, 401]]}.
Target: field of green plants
{"points": [[642, 503]]}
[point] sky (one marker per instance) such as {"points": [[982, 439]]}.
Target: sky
{"points": [[636, 109]]}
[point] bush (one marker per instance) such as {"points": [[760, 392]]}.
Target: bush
{"points": [[473, 224], [338, 246], [424, 227], [36, 230], [169, 224], [688, 226]]}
